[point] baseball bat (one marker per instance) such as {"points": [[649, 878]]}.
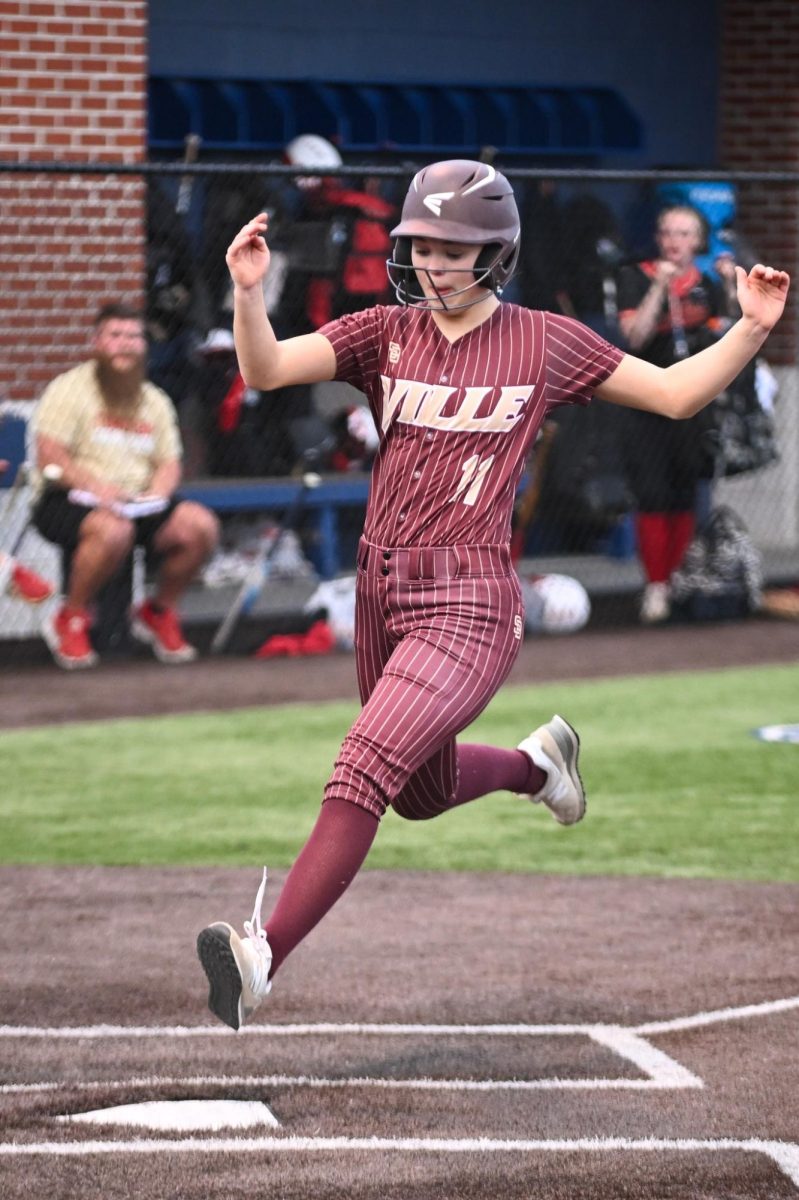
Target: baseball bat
{"points": [[186, 186], [252, 584]]}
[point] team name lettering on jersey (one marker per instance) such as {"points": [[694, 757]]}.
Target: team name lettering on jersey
{"points": [[434, 406], [141, 441]]}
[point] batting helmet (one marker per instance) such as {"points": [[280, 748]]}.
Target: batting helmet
{"points": [[458, 201]]}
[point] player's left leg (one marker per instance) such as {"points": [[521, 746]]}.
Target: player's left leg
{"points": [[543, 769]]}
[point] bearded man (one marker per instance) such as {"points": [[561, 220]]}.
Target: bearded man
{"points": [[108, 464]]}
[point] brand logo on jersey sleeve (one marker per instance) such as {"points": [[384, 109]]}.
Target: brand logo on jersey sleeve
{"points": [[393, 352]]}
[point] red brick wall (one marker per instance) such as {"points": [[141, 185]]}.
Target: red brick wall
{"points": [[759, 131], [73, 89]]}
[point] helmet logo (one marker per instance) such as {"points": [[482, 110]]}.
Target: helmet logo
{"points": [[435, 200]]}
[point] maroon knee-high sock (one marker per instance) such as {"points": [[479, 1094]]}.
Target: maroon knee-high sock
{"points": [[484, 769], [326, 866]]}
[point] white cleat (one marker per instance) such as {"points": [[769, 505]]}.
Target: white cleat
{"points": [[555, 748], [237, 967], [655, 604]]}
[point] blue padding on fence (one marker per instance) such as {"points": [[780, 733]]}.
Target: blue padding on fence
{"points": [[256, 115], [12, 447]]}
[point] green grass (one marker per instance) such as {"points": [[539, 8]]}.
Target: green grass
{"points": [[677, 785]]}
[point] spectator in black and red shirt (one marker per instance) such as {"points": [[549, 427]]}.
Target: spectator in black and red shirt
{"points": [[668, 310]]}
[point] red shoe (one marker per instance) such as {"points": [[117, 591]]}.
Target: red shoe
{"points": [[27, 585], [162, 632], [67, 635]]}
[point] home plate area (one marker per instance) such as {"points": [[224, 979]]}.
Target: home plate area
{"points": [[466, 1036], [410, 1091]]}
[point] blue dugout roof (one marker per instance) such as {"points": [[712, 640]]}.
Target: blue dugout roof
{"points": [[249, 115]]}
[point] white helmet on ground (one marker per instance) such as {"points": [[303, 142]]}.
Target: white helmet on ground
{"points": [[554, 604]]}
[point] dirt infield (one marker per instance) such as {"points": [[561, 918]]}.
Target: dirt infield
{"points": [[509, 1037], [40, 693], [627, 1003]]}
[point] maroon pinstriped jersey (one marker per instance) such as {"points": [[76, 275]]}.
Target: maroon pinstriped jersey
{"points": [[457, 419]]}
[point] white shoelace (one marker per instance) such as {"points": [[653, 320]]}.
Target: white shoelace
{"points": [[257, 935]]}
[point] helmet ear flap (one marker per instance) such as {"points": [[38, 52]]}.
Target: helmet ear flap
{"points": [[484, 261], [404, 285], [402, 251], [499, 269]]}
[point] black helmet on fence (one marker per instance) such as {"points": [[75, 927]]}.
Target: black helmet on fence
{"points": [[458, 201]]}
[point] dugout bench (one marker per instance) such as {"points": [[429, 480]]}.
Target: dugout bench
{"points": [[323, 504], [226, 497], [223, 496]]}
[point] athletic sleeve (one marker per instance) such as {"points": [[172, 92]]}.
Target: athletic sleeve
{"points": [[577, 360], [60, 409], [356, 339]]}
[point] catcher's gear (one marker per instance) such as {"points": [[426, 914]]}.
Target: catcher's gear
{"points": [[458, 201]]}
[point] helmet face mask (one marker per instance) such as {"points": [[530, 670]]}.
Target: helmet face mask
{"points": [[404, 278], [464, 202]]}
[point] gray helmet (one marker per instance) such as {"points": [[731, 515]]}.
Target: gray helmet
{"points": [[458, 201]]}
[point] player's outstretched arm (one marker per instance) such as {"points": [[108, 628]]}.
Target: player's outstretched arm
{"points": [[686, 387], [266, 363]]}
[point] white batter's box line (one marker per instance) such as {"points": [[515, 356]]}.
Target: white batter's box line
{"points": [[660, 1070], [675, 1080], [389, 1029], [785, 1155]]}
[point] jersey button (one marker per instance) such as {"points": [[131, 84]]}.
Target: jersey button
{"points": [[402, 516], [386, 554], [429, 437], [417, 474], [385, 571], [445, 378]]}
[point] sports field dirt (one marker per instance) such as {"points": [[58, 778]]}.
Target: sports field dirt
{"points": [[40, 693], [439, 1036]]}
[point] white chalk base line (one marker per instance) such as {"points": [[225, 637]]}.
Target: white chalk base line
{"points": [[784, 1154]]}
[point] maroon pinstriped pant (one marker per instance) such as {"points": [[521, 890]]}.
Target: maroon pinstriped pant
{"points": [[437, 630]]}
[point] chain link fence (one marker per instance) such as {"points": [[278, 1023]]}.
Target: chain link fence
{"points": [[71, 239]]}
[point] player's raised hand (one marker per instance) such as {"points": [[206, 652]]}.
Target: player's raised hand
{"points": [[248, 254], [762, 294]]}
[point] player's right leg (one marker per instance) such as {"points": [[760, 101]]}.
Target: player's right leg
{"points": [[237, 967]]}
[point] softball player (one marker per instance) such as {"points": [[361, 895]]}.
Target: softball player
{"points": [[459, 384]]}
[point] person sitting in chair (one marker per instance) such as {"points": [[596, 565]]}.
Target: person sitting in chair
{"points": [[108, 439]]}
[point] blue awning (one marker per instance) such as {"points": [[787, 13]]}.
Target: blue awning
{"points": [[250, 115]]}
